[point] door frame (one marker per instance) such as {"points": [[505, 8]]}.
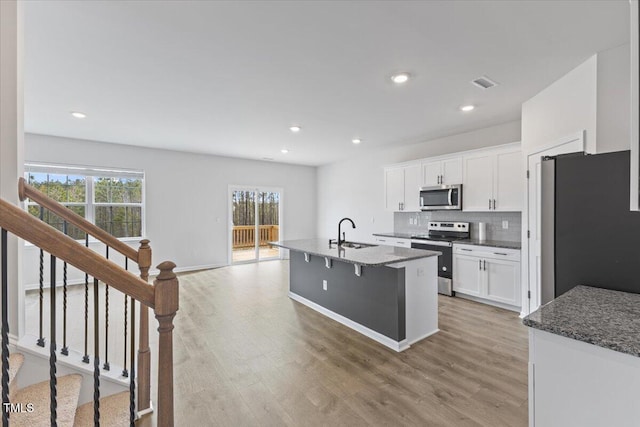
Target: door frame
{"points": [[530, 304], [256, 188]]}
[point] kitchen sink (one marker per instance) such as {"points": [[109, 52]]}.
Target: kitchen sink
{"points": [[354, 245]]}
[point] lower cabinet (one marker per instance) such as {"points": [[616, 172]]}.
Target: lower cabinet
{"points": [[489, 273]]}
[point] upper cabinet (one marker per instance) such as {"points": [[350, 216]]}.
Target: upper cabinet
{"points": [[402, 188], [446, 171], [493, 181]]}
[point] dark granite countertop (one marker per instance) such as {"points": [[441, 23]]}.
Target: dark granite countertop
{"points": [[493, 243], [601, 317], [373, 256]]}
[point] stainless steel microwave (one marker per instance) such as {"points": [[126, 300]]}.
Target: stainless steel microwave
{"points": [[441, 197]]}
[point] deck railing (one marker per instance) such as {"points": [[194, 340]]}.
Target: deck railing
{"points": [[244, 236]]}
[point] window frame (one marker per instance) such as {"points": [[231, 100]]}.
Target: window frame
{"points": [[91, 174]]}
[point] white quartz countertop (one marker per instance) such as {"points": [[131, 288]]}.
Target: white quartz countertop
{"points": [[372, 256]]}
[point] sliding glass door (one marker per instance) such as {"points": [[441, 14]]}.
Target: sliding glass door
{"points": [[255, 221]]}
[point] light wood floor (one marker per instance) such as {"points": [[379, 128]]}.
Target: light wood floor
{"points": [[247, 355]]}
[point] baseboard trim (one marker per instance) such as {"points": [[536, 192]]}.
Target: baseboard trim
{"points": [[155, 272], [370, 333], [427, 335], [488, 302]]}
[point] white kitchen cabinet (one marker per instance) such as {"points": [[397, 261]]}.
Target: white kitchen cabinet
{"points": [[393, 241], [394, 188], [412, 176], [508, 190], [402, 188], [467, 274], [445, 171], [488, 273], [477, 187], [493, 181]]}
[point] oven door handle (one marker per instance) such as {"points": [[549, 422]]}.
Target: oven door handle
{"points": [[450, 194]]}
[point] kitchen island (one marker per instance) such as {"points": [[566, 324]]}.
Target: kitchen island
{"points": [[386, 293]]}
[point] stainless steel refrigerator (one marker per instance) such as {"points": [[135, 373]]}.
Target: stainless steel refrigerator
{"points": [[588, 234]]}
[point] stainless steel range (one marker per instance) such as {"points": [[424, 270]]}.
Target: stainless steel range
{"points": [[440, 237]]}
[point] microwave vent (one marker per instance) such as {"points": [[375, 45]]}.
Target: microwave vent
{"points": [[484, 82]]}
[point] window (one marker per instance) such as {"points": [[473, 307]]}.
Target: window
{"points": [[111, 199]]}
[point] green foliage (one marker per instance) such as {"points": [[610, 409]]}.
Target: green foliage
{"points": [[120, 221], [61, 188], [117, 190], [244, 205]]}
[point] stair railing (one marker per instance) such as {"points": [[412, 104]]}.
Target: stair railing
{"points": [[142, 257], [162, 297]]}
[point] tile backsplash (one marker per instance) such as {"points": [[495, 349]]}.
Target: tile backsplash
{"points": [[416, 222]]}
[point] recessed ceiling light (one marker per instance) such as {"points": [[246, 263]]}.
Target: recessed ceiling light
{"points": [[467, 108], [356, 140], [400, 78], [284, 151], [78, 114], [295, 129]]}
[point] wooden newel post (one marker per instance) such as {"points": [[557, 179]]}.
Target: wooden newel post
{"points": [[144, 353], [166, 306]]}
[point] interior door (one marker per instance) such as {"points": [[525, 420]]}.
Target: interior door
{"points": [[534, 196]]}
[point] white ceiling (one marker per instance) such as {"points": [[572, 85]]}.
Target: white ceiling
{"points": [[229, 78]]}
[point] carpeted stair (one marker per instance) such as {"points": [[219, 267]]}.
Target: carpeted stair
{"points": [[15, 362], [114, 409]]}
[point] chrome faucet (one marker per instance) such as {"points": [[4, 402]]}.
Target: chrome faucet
{"points": [[340, 241]]}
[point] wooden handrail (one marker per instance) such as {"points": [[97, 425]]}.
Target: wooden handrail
{"points": [[42, 235], [27, 191]]}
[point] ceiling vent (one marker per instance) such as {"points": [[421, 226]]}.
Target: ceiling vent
{"points": [[484, 82]]}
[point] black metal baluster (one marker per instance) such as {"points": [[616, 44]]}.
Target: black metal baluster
{"points": [[65, 349], [53, 402], [85, 358], [132, 378], [96, 357], [40, 341], [125, 373], [5, 332], [106, 366]]}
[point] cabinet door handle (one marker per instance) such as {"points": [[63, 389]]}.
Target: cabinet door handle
{"points": [[489, 204], [484, 263], [480, 264], [494, 204], [463, 249], [500, 253]]}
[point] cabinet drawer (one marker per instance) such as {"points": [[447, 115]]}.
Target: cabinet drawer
{"points": [[393, 241], [488, 252]]}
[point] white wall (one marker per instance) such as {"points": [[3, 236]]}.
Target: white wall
{"points": [[565, 107], [614, 100], [355, 188], [187, 194], [594, 97], [12, 141]]}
